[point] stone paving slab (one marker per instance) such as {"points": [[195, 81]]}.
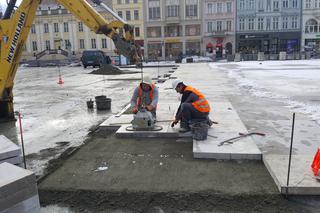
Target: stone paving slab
{"points": [[302, 181], [244, 149], [166, 132], [16, 185], [8, 149], [30, 205], [113, 122], [15, 160]]}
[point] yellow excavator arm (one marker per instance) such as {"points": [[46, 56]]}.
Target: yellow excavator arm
{"points": [[14, 29]]}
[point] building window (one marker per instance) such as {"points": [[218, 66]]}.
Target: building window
{"points": [[81, 42], [229, 7], [241, 4], [210, 27], [275, 23], [192, 10], [219, 7], [93, 43], [312, 26], [241, 24], [192, 30], [251, 24], [137, 31], [219, 26], [261, 5], [119, 1], [268, 23], [154, 32], [229, 26], [127, 1], [308, 4], [136, 15], [67, 43], [285, 3], [260, 23], [294, 22], [251, 4], [284, 22], [173, 31], [47, 45], [128, 15], [66, 27], [275, 5], [34, 46], [317, 3], [56, 27], [294, 3], [33, 29], [210, 8], [120, 14], [46, 28], [135, 1], [154, 9], [104, 43], [172, 11], [80, 26]]}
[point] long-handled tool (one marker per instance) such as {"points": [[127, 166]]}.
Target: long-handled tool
{"points": [[241, 135]]}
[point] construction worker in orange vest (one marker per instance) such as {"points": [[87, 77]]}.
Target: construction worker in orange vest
{"points": [[193, 107], [145, 95]]}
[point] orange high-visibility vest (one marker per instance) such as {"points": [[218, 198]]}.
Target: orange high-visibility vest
{"points": [[140, 91], [202, 104]]}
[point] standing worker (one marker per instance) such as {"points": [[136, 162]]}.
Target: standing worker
{"points": [[145, 95], [193, 107]]}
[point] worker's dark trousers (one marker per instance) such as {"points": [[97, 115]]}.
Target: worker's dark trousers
{"points": [[189, 113]]}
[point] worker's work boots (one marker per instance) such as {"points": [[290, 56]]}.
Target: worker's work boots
{"points": [[184, 127]]}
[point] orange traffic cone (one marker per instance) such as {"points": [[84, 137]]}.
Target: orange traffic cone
{"points": [[60, 80], [316, 163]]}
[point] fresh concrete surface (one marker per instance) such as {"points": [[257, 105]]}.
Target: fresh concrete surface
{"points": [[17, 185], [301, 181], [8, 149]]}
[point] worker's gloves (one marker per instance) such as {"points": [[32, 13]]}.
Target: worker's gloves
{"points": [[174, 123], [135, 110], [149, 108]]}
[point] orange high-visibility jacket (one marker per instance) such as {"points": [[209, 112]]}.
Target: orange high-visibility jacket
{"points": [[139, 99], [202, 104]]}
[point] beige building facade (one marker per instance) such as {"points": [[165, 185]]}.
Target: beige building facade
{"points": [[56, 30], [311, 25], [172, 28], [132, 12]]}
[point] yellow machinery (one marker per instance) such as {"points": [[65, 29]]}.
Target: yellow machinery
{"points": [[14, 29]]}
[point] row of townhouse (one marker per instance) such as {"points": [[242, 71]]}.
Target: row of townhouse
{"points": [[168, 29]]}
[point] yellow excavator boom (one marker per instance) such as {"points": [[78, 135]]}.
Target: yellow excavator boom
{"points": [[14, 29]]}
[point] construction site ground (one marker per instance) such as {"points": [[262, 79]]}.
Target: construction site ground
{"points": [[82, 168]]}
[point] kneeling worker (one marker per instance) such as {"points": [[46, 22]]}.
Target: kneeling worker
{"points": [[145, 95], [193, 106]]}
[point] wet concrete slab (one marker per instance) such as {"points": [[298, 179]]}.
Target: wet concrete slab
{"points": [[301, 181]]}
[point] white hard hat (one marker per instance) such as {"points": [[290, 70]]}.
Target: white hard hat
{"points": [[175, 83], [147, 80]]}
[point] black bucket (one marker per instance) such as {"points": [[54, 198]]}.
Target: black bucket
{"points": [[90, 104], [103, 103], [199, 131]]}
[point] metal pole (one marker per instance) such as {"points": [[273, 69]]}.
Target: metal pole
{"points": [[22, 142], [290, 154]]}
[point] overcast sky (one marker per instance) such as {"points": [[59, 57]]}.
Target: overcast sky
{"points": [[3, 4]]}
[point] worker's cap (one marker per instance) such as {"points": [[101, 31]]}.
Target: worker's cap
{"points": [[175, 83], [147, 80]]}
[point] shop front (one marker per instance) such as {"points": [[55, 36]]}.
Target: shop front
{"points": [[173, 49], [154, 50], [193, 47], [271, 43]]}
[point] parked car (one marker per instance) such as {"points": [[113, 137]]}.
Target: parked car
{"points": [[94, 58]]}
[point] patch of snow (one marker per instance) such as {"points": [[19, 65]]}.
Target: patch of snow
{"points": [[101, 168], [197, 59]]}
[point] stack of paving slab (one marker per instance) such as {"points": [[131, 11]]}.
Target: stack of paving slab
{"points": [[18, 190], [9, 152]]}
